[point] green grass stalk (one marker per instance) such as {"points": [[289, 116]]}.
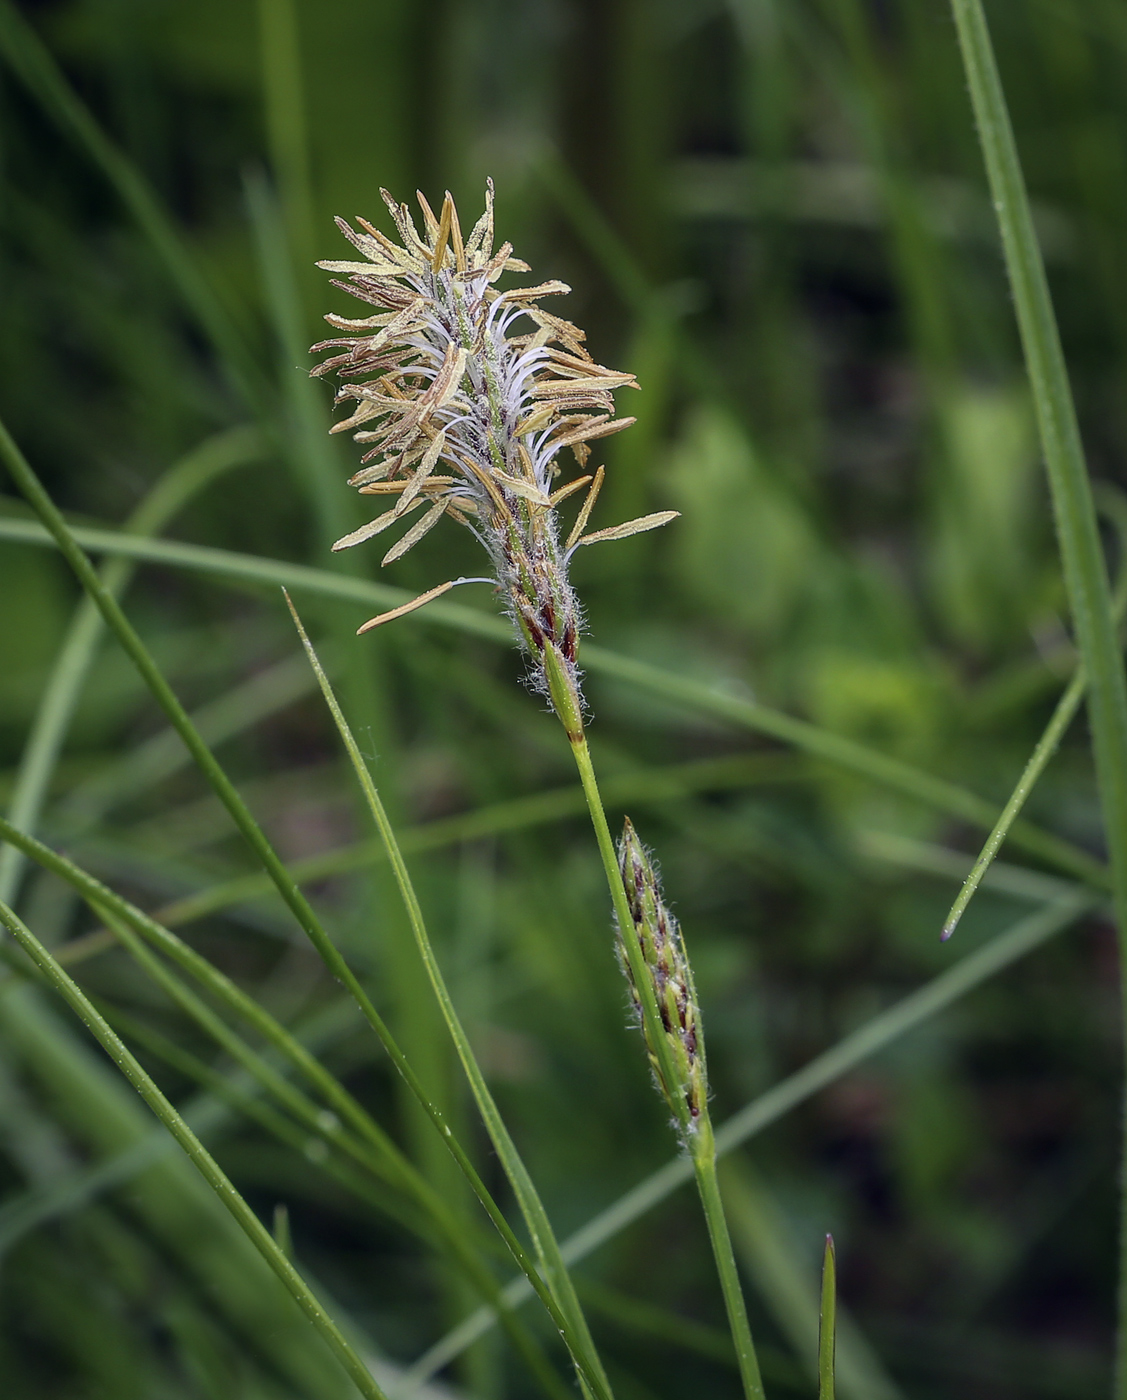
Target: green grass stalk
{"points": [[207, 1166], [1082, 558]]}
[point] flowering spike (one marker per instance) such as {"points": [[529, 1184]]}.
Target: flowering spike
{"points": [[658, 935], [450, 370]]}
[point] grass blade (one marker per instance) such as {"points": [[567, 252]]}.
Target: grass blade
{"points": [[773, 1257], [695, 696], [209, 1169], [1082, 558], [577, 1334], [1046, 746], [1114, 506], [827, 1323]]}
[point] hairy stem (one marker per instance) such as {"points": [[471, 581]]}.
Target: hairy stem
{"points": [[699, 1135]]}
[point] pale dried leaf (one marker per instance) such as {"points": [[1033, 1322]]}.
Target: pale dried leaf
{"points": [[426, 466], [586, 509], [629, 527], [416, 532], [405, 608], [366, 532], [569, 490]]}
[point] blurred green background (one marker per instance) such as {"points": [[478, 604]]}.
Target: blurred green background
{"points": [[775, 215]]}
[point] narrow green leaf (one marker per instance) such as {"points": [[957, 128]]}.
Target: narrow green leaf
{"points": [[695, 696], [571, 1320], [1085, 574], [771, 1253], [209, 1169], [1114, 505], [1046, 746], [827, 1323]]}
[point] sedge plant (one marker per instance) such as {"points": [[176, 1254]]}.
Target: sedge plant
{"points": [[474, 422], [465, 399]]}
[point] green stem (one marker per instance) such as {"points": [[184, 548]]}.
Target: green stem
{"points": [[1085, 574], [209, 1169], [700, 1137], [704, 1165]]}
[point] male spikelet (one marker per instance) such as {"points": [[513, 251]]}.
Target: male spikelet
{"points": [[464, 419], [656, 933]]}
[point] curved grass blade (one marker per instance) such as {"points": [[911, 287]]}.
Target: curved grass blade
{"points": [[209, 1169], [771, 1252], [822, 744], [1046, 746], [578, 1336]]}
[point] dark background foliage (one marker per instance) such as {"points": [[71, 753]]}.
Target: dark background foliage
{"points": [[775, 215]]}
